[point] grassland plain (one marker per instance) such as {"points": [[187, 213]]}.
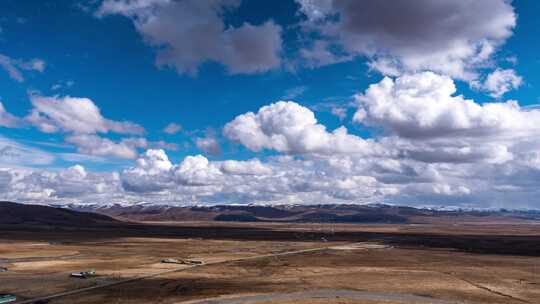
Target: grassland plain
{"points": [[245, 263]]}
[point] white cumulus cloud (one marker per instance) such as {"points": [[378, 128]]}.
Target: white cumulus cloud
{"points": [[289, 127], [425, 105], [249, 167], [74, 114]]}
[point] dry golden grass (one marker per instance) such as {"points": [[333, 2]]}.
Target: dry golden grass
{"points": [[40, 265]]}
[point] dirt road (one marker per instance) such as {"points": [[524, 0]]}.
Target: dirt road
{"points": [[326, 294]]}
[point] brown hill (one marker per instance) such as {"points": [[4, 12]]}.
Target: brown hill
{"points": [[13, 213], [250, 213], [331, 213]]}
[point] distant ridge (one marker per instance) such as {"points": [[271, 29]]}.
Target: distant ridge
{"points": [[91, 215], [327, 213], [14, 213]]}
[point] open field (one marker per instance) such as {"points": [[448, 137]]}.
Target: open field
{"points": [[275, 263]]}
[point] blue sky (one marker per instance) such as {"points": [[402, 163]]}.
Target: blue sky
{"points": [[108, 63], [133, 64]]}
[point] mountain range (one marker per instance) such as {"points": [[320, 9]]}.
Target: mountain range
{"points": [[332, 213]]}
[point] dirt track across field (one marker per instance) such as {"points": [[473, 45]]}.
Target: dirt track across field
{"points": [[325, 294], [152, 275]]}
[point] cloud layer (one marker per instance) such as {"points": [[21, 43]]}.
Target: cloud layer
{"points": [[436, 148]]}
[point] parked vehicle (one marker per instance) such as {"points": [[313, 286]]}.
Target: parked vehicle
{"points": [[83, 274]]}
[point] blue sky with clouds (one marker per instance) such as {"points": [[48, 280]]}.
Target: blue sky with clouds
{"points": [[106, 61], [127, 93]]}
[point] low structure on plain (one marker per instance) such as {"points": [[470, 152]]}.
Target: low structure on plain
{"points": [[83, 274], [182, 261], [7, 298]]}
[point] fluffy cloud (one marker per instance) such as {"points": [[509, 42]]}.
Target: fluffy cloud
{"points": [[250, 167], [14, 66], [154, 162], [284, 179], [197, 171], [501, 81], [168, 24], [151, 173], [154, 172], [81, 120], [197, 178], [71, 184], [291, 128], [424, 105], [428, 123], [74, 114], [450, 37]]}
